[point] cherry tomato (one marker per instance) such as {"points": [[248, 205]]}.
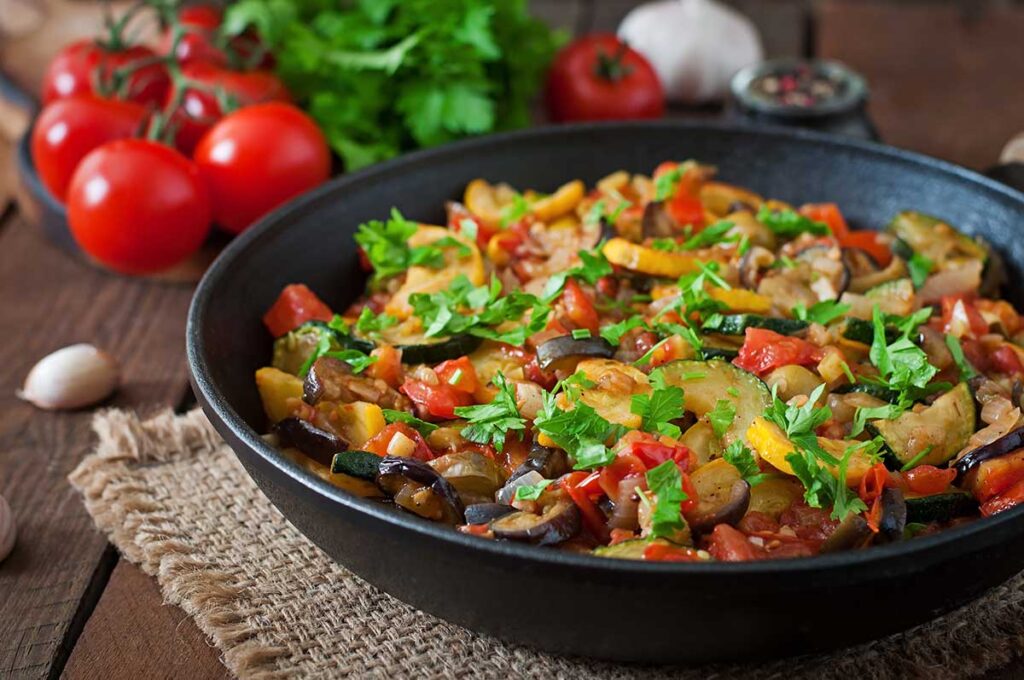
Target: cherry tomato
{"points": [[381, 442], [1004, 359], [579, 307], [257, 158], [928, 479], [764, 350], [199, 36], [200, 110], [296, 305], [1010, 498], [436, 401], [731, 545], [960, 316], [68, 129], [137, 206], [78, 66], [459, 373], [599, 77]]}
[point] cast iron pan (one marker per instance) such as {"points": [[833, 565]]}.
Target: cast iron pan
{"points": [[577, 604]]}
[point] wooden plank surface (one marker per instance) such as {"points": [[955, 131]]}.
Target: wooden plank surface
{"points": [[50, 301], [944, 80]]}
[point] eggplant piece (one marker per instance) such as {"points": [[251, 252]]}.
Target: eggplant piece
{"points": [[320, 445], [608, 229], [657, 223], [550, 463], [860, 262], [436, 352], [707, 516], [753, 264], [485, 513], [1008, 443], [830, 277], [559, 522], [475, 477], [563, 352], [417, 487], [894, 517], [853, 532], [331, 379]]}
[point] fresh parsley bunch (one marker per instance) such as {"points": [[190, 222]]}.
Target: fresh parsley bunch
{"points": [[384, 76]]}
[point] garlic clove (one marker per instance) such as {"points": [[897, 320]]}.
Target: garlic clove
{"points": [[8, 532], [73, 377]]}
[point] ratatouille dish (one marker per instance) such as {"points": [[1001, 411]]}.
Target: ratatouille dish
{"points": [[665, 368]]}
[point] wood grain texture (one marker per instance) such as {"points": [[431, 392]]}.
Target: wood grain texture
{"points": [[51, 301], [112, 646], [943, 82]]}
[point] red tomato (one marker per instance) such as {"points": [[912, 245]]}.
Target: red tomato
{"points": [[654, 453], [864, 240], [458, 213], [598, 77], [593, 519], [388, 366], [928, 479], [296, 305], [684, 205], [995, 476], [829, 214], [624, 465], [257, 158], [68, 129], [1012, 497], [200, 110], [579, 307], [80, 66], [1004, 359], [959, 311], [764, 350], [731, 545], [137, 206], [868, 242], [874, 482], [198, 41], [661, 552], [437, 401], [380, 442], [459, 373], [533, 372]]}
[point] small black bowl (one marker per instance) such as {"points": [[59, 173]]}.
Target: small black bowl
{"points": [[579, 604]]}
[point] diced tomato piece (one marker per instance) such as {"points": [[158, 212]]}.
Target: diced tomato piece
{"points": [[928, 479], [755, 521], [662, 552], [624, 465], [364, 260], [692, 499], [621, 536], [458, 214], [533, 372], [1008, 316], [653, 453], [296, 305], [380, 442], [388, 366], [476, 529], [686, 210], [731, 545], [995, 476], [673, 348], [829, 214], [865, 240], [974, 353], [437, 401], [874, 482], [1004, 359], [593, 519], [764, 350], [1010, 498], [960, 316], [459, 373], [579, 307]]}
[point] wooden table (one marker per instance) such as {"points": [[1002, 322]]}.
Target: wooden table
{"points": [[943, 83]]}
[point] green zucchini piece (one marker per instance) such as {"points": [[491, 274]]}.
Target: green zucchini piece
{"points": [[633, 549], [893, 297], [935, 239], [946, 426], [704, 383], [861, 330], [900, 248], [293, 349], [883, 393], [436, 352], [737, 324], [940, 507], [361, 464]]}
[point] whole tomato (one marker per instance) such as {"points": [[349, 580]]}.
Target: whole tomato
{"points": [[198, 41], [258, 157], [598, 77], [68, 129], [79, 66], [137, 206], [200, 109]]}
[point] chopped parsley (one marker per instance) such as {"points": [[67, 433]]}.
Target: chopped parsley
{"points": [[919, 267], [421, 426], [491, 423], [963, 365], [666, 483], [386, 245], [581, 431], [721, 417], [711, 235], [789, 223], [599, 211], [580, 333], [742, 458], [515, 211], [531, 492], [657, 409], [665, 184], [369, 323], [613, 333], [822, 312], [327, 346], [593, 266]]}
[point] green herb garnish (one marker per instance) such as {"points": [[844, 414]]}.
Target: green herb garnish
{"points": [[491, 423]]}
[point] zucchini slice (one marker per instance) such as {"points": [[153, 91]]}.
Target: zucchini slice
{"points": [[935, 239], [893, 297], [633, 549], [862, 330], [359, 464], [436, 352], [940, 507], [704, 383], [737, 324], [945, 426]]}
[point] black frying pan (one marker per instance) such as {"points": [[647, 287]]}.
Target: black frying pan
{"points": [[571, 603]]}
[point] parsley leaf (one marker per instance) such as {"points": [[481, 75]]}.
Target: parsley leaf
{"points": [[821, 312], [903, 366], [387, 248], [740, 457], [531, 492], [665, 184], [593, 266], [963, 365], [721, 417], [327, 346], [920, 267], [369, 323], [515, 211], [613, 333], [789, 223], [657, 409], [666, 483], [421, 426], [599, 211], [710, 235], [491, 423], [581, 431]]}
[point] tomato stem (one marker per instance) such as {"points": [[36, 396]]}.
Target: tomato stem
{"points": [[611, 67]]}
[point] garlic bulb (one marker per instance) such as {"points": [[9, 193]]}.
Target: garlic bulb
{"points": [[695, 45], [1013, 152], [72, 377], [8, 531]]}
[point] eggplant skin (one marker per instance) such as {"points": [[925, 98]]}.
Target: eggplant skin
{"points": [[485, 513], [561, 352], [704, 520], [550, 463], [559, 522], [320, 445], [894, 517], [1008, 443], [393, 472]]}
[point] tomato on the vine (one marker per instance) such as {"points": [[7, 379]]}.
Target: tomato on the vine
{"points": [[80, 66], [599, 77], [258, 157], [68, 129], [137, 206], [199, 25]]}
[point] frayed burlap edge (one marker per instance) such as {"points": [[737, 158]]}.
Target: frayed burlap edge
{"points": [[977, 638]]}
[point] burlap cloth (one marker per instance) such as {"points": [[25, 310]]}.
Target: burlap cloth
{"points": [[173, 498]]}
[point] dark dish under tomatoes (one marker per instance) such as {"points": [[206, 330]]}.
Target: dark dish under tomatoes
{"points": [[663, 368]]}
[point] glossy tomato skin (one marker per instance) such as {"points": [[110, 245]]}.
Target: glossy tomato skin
{"points": [[764, 350], [77, 66], [578, 88], [137, 206], [200, 110], [198, 41], [68, 129], [257, 158]]}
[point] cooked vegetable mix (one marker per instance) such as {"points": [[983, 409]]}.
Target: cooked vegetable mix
{"points": [[663, 368]]}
